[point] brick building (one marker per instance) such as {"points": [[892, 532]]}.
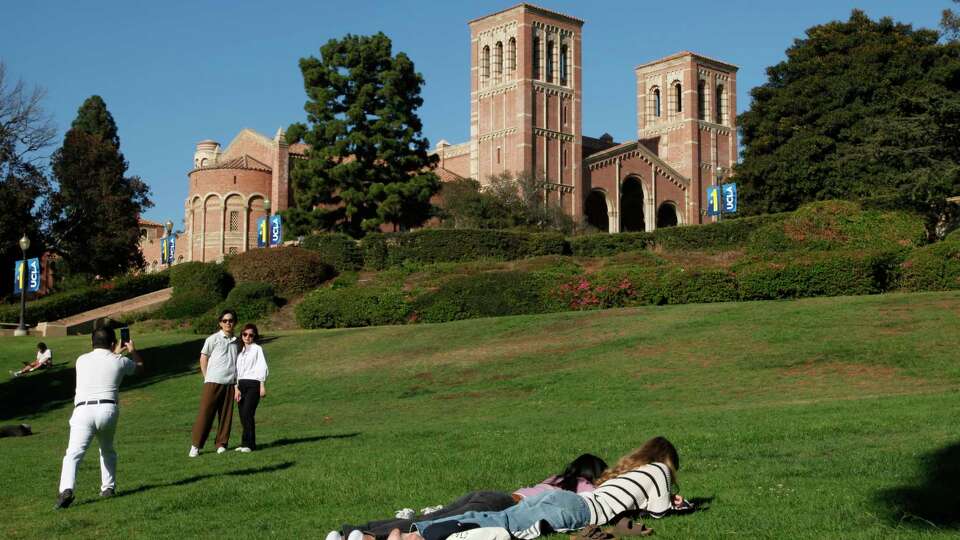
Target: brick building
{"points": [[525, 116]]}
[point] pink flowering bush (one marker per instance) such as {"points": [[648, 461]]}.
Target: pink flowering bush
{"points": [[595, 292]]}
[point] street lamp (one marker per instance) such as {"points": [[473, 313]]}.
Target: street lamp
{"points": [[22, 329], [169, 227], [266, 210], [717, 180]]}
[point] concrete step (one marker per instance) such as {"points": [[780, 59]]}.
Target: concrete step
{"points": [[83, 322]]}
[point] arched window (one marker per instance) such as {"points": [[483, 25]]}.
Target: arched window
{"points": [[721, 108], [563, 65], [678, 96], [655, 100], [702, 99], [549, 61], [498, 61], [512, 55], [536, 58], [485, 63]]}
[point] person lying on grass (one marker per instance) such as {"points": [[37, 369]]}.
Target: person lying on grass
{"points": [[578, 476], [642, 480], [44, 359]]}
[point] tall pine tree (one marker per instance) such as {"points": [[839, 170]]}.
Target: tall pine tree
{"points": [[95, 210], [368, 163]]}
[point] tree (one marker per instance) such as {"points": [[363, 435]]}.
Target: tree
{"points": [[96, 209], [950, 23], [367, 164], [814, 128], [25, 130], [506, 202]]}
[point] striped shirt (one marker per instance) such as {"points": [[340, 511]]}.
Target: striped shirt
{"points": [[644, 488]]}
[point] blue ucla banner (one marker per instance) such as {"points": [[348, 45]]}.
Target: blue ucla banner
{"points": [[26, 274], [262, 232], [171, 248], [276, 230], [721, 199]]}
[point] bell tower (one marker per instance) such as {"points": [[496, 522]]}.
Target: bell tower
{"points": [[525, 100]]}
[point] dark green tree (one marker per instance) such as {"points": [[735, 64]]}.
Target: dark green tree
{"points": [[25, 130], [95, 211], [368, 163], [813, 130]]}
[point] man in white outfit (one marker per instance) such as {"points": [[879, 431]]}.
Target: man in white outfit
{"points": [[96, 410]]}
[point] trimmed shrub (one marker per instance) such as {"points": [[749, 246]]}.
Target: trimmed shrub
{"points": [[602, 244], [681, 286], [608, 290], [353, 307], [197, 288], [831, 225], [336, 249], [251, 301], [817, 274], [60, 305], [454, 245], [491, 294], [935, 267], [730, 233], [290, 270]]}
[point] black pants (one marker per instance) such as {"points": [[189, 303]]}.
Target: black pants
{"points": [[249, 399], [476, 501]]}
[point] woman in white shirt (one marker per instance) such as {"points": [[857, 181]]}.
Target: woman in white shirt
{"points": [[44, 359], [251, 384]]}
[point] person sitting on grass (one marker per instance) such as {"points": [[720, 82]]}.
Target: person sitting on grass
{"points": [[641, 481], [579, 476], [44, 360]]}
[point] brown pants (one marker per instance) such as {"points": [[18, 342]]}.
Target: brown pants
{"points": [[215, 399]]}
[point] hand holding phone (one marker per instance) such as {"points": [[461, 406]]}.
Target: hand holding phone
{"points": [[124, 335]]}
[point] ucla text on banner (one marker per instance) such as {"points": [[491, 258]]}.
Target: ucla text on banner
{"points": [[276, 231], [729, 198], [26, 274], [262, 232], [171, 248]]}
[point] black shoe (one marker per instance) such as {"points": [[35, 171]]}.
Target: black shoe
{"points": [[107, 493], [64, 500]]}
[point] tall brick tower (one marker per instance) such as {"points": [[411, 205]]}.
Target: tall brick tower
{"points": [[686, 114], [525, 99]]}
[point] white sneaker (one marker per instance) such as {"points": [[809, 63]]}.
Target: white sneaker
{"points": [[355, 535], [194, 451], [405, 513], [332, 535], [221, 449], [246, 450], [431, 509]]}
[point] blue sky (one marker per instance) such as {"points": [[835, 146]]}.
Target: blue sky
{"points": [[174, 73]]}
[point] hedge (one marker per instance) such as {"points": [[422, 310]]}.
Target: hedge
{"points": [[381, 250], [490, 294], [197, 288], [843, 225], [60, 305], [336, 249], [817, 274], [346, 308], [935, 267], [251, 301], [291, 270]]}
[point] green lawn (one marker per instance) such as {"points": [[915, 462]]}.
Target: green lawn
{"points": [[820, 418]]}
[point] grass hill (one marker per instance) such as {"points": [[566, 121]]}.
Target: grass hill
{"points": [[817, 418]]}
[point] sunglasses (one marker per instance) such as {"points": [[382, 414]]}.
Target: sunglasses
{"points": [[228, 321], [249, 334]]}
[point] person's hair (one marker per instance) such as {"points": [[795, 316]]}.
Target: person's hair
{"points": [[42, 346], [251, 326], [103, 338], [228, 312], [587, 466], [656, 450]]}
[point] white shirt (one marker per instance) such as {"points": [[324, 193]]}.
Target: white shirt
{"points": [[221, 352], [99, 373], [252, 364], [644, 488], [45, 356]]}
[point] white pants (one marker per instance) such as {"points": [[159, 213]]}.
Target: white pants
{"points": [[87, 421]]}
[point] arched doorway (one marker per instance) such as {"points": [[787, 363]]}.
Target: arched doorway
{"points": [[667, 215], [631, 205], [595, 207]]}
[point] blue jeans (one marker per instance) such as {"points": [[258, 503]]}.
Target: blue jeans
{"points": [[561, 510]]}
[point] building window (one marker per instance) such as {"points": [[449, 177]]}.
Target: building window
{"points": [[655, 102], [563, 65], [549, 61], [563, 115], [678, 96], [234, 220], [234, 179], [485, 63], [232, 251], [702, 99], [498, 155], [143, 233], [721, 108], [498, 61], [512, 55], [536, 58], [563, 158]]}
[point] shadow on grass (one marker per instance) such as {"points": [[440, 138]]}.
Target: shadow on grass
{"points": [[287, 441], [934, 503], [198, 478], [49, 389]]}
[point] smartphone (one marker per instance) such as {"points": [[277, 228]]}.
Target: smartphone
{"points": [[124, 335]]}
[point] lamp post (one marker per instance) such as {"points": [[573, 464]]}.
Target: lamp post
{"points": [[22, 329], [717, 180], [266, 210], [169, 227]]}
